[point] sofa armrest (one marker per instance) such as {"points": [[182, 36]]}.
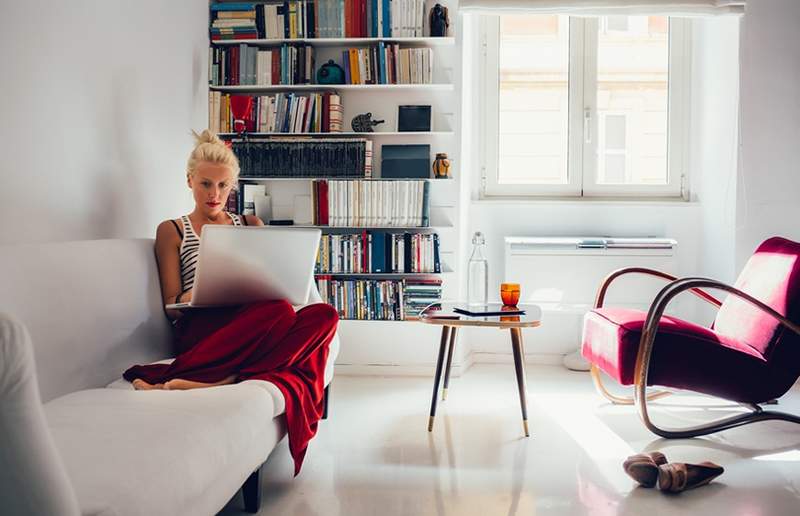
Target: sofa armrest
{"points": [[314, 297], [33, 479]]}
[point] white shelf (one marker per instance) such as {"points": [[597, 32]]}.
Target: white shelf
{"points": [[369, 228], [339, 42], [320, 178], [333, 87], [379, 275], [375, 134]]}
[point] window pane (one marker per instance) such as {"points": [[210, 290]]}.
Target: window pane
{"points": [[632, 99], [614, 168], [533, 99], [615, 132]]}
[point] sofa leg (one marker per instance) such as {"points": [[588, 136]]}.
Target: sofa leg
{"points": [[325, 399], [251, 492]]}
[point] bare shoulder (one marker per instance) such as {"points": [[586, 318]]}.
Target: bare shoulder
{"points": [[252, 220], [167, 232]]}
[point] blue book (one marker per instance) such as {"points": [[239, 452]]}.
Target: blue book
{"points": [[381, 63], [426, 204], [284, 63], [233, 6], [437, 265], [346, 63], [290, 100], [387, 19], [369, 310], [378, 251]]}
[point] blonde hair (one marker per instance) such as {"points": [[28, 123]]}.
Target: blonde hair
{"points": [[208, 147]]}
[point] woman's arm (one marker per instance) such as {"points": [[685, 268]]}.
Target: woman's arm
{"points": [[168, 244], [252, 220]]}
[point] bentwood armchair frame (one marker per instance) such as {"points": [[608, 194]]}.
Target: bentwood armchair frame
{"points": [[640, 395]]}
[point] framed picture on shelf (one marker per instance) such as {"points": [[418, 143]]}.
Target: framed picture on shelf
{"points": [[414, 118]]}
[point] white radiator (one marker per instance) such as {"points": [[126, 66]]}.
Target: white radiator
{"points": [[562, 276]]}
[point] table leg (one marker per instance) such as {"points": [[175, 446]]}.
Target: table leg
{"points": [[438, 377], [519, 366], [449, 361]]}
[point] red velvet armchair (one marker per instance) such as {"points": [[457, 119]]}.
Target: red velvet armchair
{"points": [[750, 355]]}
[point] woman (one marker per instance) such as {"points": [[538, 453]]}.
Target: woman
{"points": [[218, 346]]}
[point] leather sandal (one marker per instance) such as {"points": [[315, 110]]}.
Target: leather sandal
{"points": [[643, 467], [677, 476]]}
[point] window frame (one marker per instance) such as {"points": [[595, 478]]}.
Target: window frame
{"points": [[583, 120]]}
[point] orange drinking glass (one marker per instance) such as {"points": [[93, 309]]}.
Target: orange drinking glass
{"points": [[509, 293]]}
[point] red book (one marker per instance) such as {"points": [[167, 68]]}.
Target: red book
{"points": [[363, 18], [348, 17], [364, 262], [326, 112], [356, 19], [316, 203], [276, 66], [323, 203], [234, 66], [225, 37]]}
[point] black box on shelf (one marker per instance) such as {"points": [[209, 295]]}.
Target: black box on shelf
{"points": [[406, 161], [414, 118]]}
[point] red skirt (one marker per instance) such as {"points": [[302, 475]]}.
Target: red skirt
{"points": [[265, 341]]}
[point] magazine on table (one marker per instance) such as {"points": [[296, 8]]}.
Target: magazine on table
{"points": [[487, 310]]}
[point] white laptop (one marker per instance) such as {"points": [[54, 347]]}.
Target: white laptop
{"points": [[238, 265]]}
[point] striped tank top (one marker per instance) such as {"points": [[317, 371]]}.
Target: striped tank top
{"points": [[190, 249]]}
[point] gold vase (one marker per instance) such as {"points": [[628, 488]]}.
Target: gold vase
{"points": [[441, 166]]}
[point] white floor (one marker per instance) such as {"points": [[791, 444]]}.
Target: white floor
{"points": [[374, 456]]}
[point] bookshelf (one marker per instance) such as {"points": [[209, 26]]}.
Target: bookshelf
{"points": [[376, 134], [339, 42], [381, 100], [255, 88]]}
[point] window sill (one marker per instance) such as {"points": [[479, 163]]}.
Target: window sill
{"points": [[584, 201]]}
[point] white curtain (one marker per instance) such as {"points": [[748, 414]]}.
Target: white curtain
{"points": [[607, 7]]}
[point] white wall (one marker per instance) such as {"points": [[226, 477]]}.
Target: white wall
{"points": [[769, 177], [714, 141], [98, 98]]}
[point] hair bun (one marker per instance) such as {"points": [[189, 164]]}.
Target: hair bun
{"points": [[207, 137]]}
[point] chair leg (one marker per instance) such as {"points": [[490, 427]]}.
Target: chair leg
{"points": [[251, 492], [325, 397], [756, 414], [620, 400]]}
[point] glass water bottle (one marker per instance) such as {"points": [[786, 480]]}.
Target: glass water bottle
{"points": [[478, 270]]}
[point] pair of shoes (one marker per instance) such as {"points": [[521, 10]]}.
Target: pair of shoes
{"points": [[643, 467], [677, 477], [649, 469]]}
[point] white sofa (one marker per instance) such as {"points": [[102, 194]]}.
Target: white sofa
{"points": [[68, 444]]}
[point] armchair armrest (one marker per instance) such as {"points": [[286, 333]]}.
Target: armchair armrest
{"points": [[601, 293], [660, 304]]}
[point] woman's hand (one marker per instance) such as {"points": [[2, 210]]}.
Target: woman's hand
{"points": [[186, 296], [177, 313]]}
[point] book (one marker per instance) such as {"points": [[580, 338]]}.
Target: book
{"points": [[232, 6]]}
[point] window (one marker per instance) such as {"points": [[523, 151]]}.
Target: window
{"points": [[583, 106]]}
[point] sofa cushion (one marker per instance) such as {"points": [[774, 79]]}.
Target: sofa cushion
{"points": [[92, 308], [685, 355], [162, 452], [279, 403]]}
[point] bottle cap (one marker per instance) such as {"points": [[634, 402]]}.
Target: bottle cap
{"points": [[478, 238]]}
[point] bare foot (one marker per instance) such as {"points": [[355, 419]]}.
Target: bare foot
{"points": [[141, 385], [179, 384]]}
